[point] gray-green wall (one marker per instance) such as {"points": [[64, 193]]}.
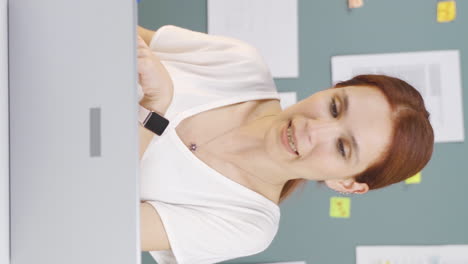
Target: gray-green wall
{"points": [[431, 213]]}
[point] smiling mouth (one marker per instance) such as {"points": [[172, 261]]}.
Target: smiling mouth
{"points": [[289, 134]]}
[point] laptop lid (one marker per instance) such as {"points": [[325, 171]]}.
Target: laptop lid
{"points": [[4, 145], [74, 193]]}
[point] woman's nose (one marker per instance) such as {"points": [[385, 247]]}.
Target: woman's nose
{"points": [[318, 131]]}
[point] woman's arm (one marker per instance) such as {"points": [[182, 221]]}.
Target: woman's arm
{"points": [[153, 77], [145, 138], [155, 81], [152, 232]]}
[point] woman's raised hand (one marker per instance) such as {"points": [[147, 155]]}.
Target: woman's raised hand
{"points": [[153, 78]]}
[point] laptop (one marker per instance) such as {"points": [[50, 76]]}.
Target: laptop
{"points": [[74, 185], [4, 148]]}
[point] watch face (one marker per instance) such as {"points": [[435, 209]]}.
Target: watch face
{"points": [[156, 123]]}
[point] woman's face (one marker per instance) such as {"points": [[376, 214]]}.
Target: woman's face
{"points": [[339, 132]]}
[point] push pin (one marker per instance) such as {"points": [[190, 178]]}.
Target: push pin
{"points": [[355, 3]]}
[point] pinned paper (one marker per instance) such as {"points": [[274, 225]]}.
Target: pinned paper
{"points": [[355, 3], [287, 99], [256, 22], [414, 179], [446, 11], [288, 262], [442, 91], [386, 254], [340, 207]]}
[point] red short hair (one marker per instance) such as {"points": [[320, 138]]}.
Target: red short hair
{"points": [[412, 139]]}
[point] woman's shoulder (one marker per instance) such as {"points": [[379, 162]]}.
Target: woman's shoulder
{"points": [[196, 48]]}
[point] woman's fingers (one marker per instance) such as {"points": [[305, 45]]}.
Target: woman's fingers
{"points": [[142, 66], [143, 53], [153, 77], [142, 49], [141, 43]]}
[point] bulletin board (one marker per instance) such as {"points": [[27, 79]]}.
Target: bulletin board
{"points": [[433, 212]]}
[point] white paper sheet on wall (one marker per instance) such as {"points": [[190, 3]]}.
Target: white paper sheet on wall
{"points": [[445, 254], [435, 74], [287, 99], [293, 262], [270, 26]]}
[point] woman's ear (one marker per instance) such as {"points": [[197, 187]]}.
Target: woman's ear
{"points": [[347, 186]]}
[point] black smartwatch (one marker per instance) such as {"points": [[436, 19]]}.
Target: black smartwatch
{"points": [[152, 120]]}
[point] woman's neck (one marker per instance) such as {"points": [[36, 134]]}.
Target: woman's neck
{"points": [[245, 150]]}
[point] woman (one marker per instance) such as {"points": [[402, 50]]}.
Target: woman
{"points": [[212, 182]]}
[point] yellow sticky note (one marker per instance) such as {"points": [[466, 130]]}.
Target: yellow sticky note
{"points": [[340, 207], [414, 179], [446, 11]]}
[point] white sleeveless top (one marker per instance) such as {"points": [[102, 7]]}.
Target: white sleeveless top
{"points": [[208, 217]]}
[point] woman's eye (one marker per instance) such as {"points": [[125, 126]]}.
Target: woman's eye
{"points": [[341, 148], [333, 109]]}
